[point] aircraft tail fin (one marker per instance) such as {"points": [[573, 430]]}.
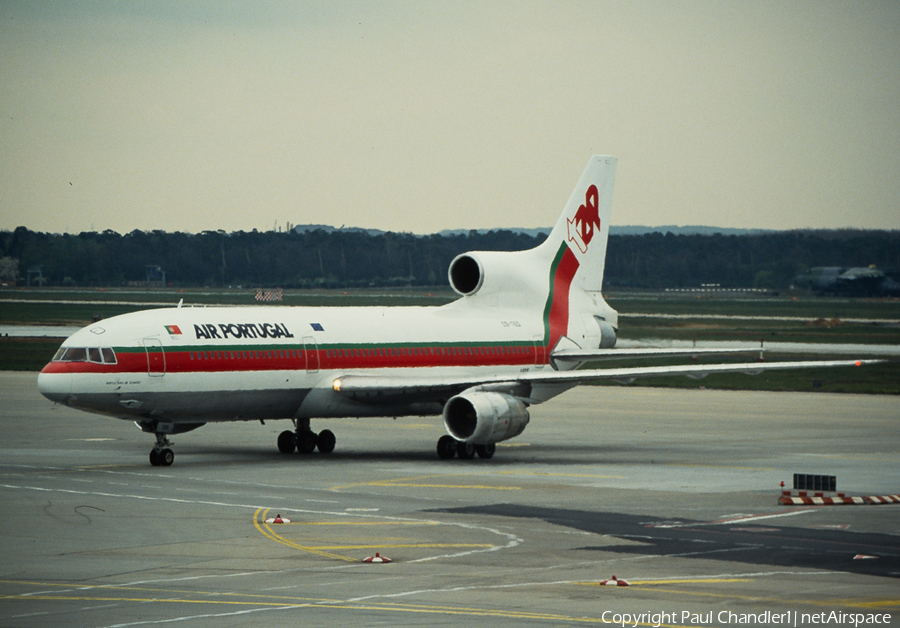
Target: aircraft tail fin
{"points": [[583, 227], [562, 277]]}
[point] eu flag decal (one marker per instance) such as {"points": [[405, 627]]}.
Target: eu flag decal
{"points": [[317, 326]]}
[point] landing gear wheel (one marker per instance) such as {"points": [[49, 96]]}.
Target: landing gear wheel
{"points": [[485, 451], [325, 441], [154, 457], [446, 447], [287, 442], [466, 451], [306, 442], [166, 458]]}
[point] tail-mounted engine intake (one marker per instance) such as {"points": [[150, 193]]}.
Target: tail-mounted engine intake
{"points": [[483, 418], [466, 274], [492, 272]]}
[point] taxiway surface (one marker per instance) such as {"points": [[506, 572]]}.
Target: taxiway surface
{"points": [[673, 490]]}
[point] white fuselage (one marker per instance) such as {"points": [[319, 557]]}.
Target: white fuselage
{"points": [[246, 363]]}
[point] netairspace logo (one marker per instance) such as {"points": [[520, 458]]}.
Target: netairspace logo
{"points": [[730, 618]]}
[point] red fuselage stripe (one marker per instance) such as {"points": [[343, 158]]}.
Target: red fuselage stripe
{"points": [[243, 359]]}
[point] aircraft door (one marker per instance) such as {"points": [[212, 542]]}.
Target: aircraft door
{"points": [[156, 357], [539, 351], [311, 351]]}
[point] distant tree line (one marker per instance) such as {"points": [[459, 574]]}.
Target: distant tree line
{"points": [[768, 260], [355, 259]]}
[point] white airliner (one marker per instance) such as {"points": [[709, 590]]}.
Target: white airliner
{"points": [[523, 324]]}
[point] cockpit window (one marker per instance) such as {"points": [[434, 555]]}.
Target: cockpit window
{"points": [[75, 354], [98, 355]]}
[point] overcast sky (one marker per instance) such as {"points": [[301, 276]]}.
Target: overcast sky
{"points": [[419, 116]]}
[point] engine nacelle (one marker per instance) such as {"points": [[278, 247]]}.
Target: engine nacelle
{"points": [[495, 272], [483, 418]]}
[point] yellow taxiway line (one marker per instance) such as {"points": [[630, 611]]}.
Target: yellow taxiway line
{"points": [[326, 551]]}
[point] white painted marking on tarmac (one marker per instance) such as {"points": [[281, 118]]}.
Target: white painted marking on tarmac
{"points": [[732, 520], [97, 608], [88, 440], [28, 615], [512, 540], [543, 583], [136, 583], [761, 517], [173, 620], [754, 574]]}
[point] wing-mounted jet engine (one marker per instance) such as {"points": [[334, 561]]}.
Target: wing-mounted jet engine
{"points": [[476, 420]]}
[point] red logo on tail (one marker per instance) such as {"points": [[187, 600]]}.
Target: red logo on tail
{"points": [[587, 218]]}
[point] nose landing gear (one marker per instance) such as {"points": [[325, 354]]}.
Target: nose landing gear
{"points": [[162, 455]]}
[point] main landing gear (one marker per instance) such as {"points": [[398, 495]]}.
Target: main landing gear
{"points": [[447, 447], [305, 441]]}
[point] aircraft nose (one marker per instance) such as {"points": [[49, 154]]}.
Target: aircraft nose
{"points": [[54, 386]]}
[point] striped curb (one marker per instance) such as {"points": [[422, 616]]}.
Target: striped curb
{"points": [[838, 500]]}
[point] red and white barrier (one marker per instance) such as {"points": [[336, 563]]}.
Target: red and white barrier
{"points": [[269, 295], [819, 499]]}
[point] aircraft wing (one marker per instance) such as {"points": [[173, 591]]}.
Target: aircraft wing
{"points": [[386, 390], [596, 355]]}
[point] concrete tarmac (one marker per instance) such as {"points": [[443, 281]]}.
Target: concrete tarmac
{"points": [[674, 491]]}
